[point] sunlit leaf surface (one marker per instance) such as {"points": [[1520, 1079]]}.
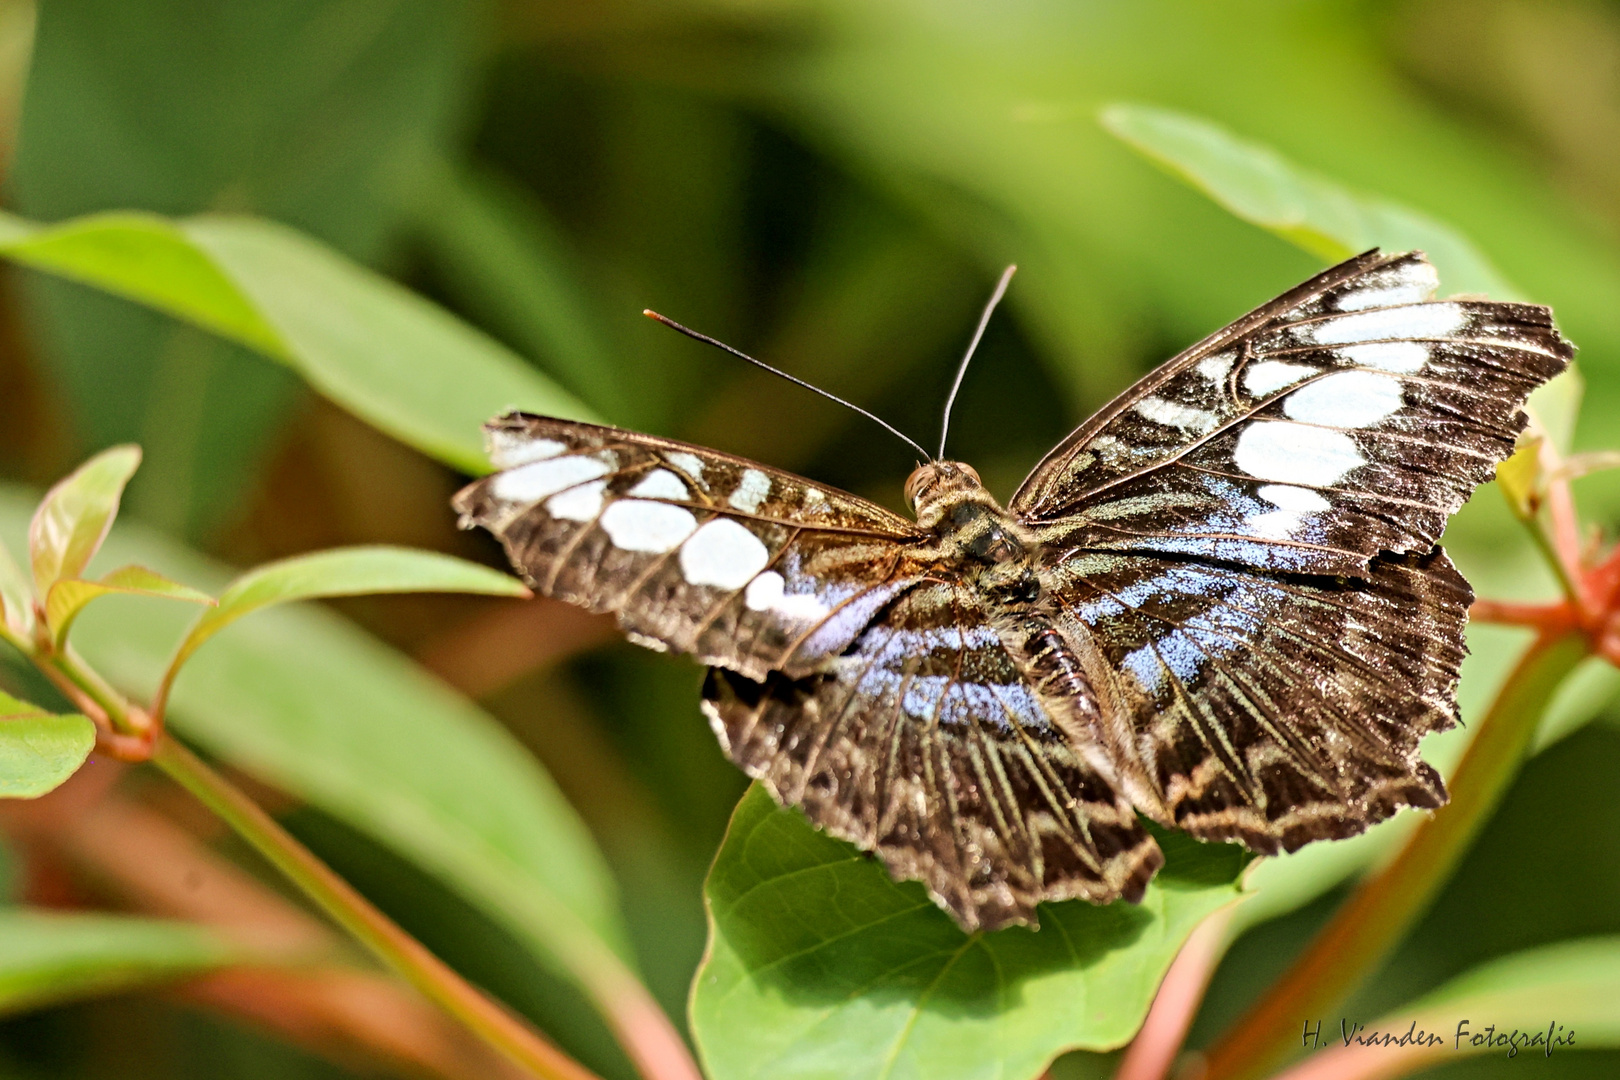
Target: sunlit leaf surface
{"points": [[1259, 185], [821, 966], [382, 352], [67, 598], [75, 515], [353, 571], [39, 750]]}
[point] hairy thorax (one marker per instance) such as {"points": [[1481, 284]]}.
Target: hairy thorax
{"points": [[995, 549], [997, 556]]}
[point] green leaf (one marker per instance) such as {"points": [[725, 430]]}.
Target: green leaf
{"points": [[356, 571], [16, 596], [302, 699], [1507, 1007], [400, 363], [1577, 982], [320, 113], [73, 518], [39, 750], [1260, 186], [1520, 477], [1555, 407], [820, 965], [48, 958], [67, 598]]}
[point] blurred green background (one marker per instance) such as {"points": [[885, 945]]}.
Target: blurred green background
{"points": [[832, 185]]}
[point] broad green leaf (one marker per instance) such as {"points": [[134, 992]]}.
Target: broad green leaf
{"points": [[299, 697], [16, 596], [67, 598], [320, 113], [39, 750], [1567, 994], [1555, 407], [355, 571], [1259, 185], [820, 966], [373, 347], [75, 515], [48, 958], [1520, 477]]}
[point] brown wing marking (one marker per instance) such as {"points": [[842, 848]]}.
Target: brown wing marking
{"points": [[739, 564], [926, 744], [1276, 711]]}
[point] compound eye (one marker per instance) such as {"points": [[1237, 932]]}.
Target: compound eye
{"points": [[916, 483]]}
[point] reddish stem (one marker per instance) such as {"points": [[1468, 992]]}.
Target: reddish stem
{"points": [[1156, 1045], [1543, 617]]}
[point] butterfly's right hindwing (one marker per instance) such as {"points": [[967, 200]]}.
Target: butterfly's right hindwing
{"points": [[694, 551]]}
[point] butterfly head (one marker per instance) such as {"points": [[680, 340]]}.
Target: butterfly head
{"points": [[933, 488]]}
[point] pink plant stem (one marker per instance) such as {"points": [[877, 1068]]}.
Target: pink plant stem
{"points": [[1155, 1047], [643, 1029]]}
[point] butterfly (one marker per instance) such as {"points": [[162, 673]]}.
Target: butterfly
{"points": [[1220, 603]]}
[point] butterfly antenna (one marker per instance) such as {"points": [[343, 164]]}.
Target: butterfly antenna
{"points": [[984, 321], [689, 332]]}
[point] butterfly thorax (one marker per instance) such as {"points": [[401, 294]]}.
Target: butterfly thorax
{"points": [[975, 532]]}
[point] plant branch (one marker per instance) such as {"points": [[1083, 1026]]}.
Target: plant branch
{"points": [[395, 948], [642, 1027], [1362, 934], [1154, 1049]]}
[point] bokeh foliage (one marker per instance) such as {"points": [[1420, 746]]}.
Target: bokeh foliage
{"points": [[830, 184]]}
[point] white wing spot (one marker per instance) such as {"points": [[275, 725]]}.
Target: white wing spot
{"points": [[1276, 524], [1215, 368], [1268, 375], [1413, 321], [1293, 498], [509, 449], [580, 503], [752, 490], [1296, 453], [639, 525], [1409, 284], [815, 496], [1345, 399], [1400, 357], [724, 554], [1292, 504], [766, 593], [660, 484], [690, 464], [1173, 415], [534, 481]]}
